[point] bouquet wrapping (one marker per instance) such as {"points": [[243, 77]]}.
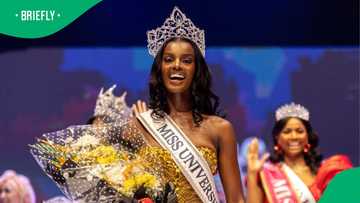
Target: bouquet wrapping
{"points": [[101, 164]]}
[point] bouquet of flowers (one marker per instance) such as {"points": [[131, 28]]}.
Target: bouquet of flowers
{"points": [[100, 164]]}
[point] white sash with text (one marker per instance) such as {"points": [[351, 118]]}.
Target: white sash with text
{"points": [[301, 189]]}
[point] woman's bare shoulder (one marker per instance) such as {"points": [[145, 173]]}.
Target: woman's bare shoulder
{"points": [[221, 127], [218, 122]]}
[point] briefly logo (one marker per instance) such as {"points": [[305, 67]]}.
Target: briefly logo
{"points": [[37, 15], [40, 18]]}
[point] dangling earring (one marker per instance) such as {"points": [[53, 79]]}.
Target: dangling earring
{"points": [[276, 148], [307, 148]]}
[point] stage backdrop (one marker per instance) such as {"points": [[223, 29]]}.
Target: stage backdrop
{"points": [[47, 89]]}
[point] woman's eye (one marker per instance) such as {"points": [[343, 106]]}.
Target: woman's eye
{"points": [[167, 59], [286, 131], [6, 190], [300, 131], [188, 61]]}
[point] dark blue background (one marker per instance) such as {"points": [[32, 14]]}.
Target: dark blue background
{"points": [[227, 23]]}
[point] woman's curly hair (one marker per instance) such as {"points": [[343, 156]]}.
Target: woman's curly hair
{"points": [[312, 158], [23, 186], [203, 100]]}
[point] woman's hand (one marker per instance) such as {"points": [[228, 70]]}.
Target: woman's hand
{"points": [[254, 164], [139, 107]]}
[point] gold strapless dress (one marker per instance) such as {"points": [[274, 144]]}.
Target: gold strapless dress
{"points": [[161, 162]]}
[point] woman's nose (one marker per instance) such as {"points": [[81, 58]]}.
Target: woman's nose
{"points": [[177, 64], [293, 134]]}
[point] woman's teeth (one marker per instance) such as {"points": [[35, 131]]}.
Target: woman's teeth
{"points": [[294, 144], [177, 76]]}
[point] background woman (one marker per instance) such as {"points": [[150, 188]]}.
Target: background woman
{"points": [[295, 171]]}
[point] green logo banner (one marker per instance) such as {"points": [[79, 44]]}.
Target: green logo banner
{"points": [[343, 188], [40, 18]]}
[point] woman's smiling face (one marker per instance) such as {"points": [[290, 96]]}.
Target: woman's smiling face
{"points": [[293, 138], [178, 66]]}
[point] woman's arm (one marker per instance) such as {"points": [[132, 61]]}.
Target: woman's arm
{"points": [[228, 164], [255, 192]]}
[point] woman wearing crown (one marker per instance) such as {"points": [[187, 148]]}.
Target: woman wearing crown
{"points": [[296, 172], [188, 141], [182, 138]]}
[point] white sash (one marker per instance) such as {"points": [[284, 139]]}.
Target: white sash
{"points": [[301, 189], [184, 153]]}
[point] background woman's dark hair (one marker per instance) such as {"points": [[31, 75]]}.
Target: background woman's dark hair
{"points": [[204, 101], [312, 158]]}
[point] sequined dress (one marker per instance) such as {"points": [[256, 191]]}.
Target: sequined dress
{"points": [[162, 162]]}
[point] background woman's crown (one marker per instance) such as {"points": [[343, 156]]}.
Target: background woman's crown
{"points": [[107, 104], [292, 110]]}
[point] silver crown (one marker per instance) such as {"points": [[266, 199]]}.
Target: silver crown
{"points": [[107, 104], [292, 110], [177, 25]]}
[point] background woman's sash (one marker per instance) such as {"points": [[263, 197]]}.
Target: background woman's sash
{"points": [[277, 186]]}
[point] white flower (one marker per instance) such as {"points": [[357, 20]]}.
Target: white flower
{"points": [[66, 175], [115, 173], [86, 140], [68, 140], [89, 177]]}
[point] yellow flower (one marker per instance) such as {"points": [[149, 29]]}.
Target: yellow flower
{"points": [[100, 155], [61, 160], [105, 155], [147, 180], [129, 185]]}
